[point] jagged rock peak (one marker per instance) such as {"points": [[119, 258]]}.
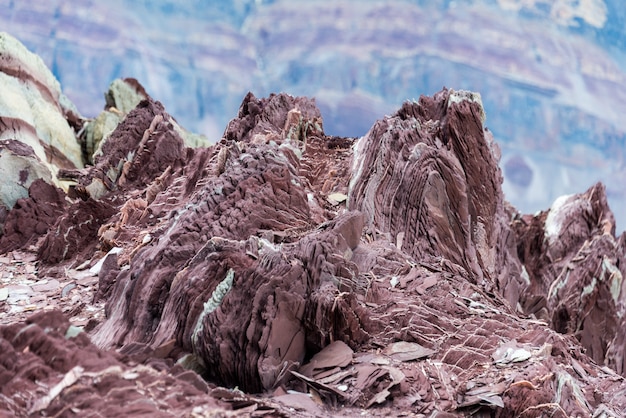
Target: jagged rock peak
{"points": [[383, 272]]}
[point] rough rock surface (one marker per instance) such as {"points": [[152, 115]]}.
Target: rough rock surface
{"points": [[42, 135], [32, 217], [37, 122], [330, 275], [575, 267]]}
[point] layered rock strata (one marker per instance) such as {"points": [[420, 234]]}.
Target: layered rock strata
{"points": [[37, 124], [48, 367], [385, 271], [44, 138]]}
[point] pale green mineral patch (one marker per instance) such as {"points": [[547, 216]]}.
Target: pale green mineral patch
{"points": [[587, 290], [615, 278], [558, 284], [123, 96], [294, 148], [73, 331], [190, 362], [213, 303]]}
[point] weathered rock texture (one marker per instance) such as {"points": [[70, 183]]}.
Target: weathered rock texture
{"points": [[575, 267], [428, 178], [42, 135], [50, 368], [37, 123], [381, 272]]}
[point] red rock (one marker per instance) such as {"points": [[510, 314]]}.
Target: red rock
{"points": [[250, 272], [575, 266], [74, 234], [46, 285], [32, 217], [37, 357]]}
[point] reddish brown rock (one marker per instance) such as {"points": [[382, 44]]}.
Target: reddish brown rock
{"points": [[575, 266], [428, 178], [49, 368], [32, 218], [232, 225], [130, 157], [74, 235], [382, 272], [280, 114]]}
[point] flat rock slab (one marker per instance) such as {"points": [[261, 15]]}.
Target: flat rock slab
{"points": [[44, 286], [405, 351]]}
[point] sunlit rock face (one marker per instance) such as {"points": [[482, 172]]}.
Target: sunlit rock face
{"points": [[37, 124]]}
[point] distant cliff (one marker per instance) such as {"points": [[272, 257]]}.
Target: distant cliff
{"points": [[551, 73]]}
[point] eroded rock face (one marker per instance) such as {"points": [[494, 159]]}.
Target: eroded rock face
{"points": [[47, 352], [35, 114], [574, 265], [122, 97], [42, 135], [32, 217], [385, 271], [249, 201], [20, 168], [428, 177]]}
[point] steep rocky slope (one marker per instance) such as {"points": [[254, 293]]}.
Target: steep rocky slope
{"points": [[319, 275]]}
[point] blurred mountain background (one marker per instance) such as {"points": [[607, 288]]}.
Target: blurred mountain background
{"points": [[552, 73]]}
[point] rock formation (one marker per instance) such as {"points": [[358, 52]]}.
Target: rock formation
{"points": [[385, 272], [48, 351], [36, 124]]}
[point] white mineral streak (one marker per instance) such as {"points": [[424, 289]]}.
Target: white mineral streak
{"points": [[68, 380], [573, 392], [381, 169], [524, 275], [291, 146], [614, 278], [400, 240], [394, 281], [358, 162], [265, 246], [213, 303], [95, 269], [510, 352], [470, 96], [558, 284], [587, 290], [554, 219]]}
